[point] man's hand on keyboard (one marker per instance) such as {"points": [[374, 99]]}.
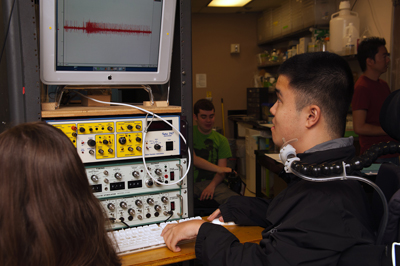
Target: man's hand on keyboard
{"points": [[216, 214], [173, 233]]}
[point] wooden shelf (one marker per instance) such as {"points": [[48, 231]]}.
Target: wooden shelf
{"points": [[78, 111], [270, 65], [275, 64]]}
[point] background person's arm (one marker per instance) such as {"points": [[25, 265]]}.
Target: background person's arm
{"points": [[360, 127], [206, 165]]}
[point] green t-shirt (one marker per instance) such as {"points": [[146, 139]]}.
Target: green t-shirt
{"points": [[211, 147]]}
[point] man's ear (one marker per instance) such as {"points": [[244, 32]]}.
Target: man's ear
{"points": [[370, 62], [313, 115]]}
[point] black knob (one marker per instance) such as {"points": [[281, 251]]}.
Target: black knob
{"points": [[110, 150], [110, 128], [74, 134], [139, 203], [118, 176], [157, 146], [138, 126], [101, 151], [91, 142], [129, 127], [105, 142], [138, 139], [149, 182], [164, 199], [148, 215], [150, 201], [135, 174], [158, 171], [82, 129], [122, 140]]}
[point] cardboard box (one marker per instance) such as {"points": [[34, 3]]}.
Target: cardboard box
{"points": [[101, 95]]}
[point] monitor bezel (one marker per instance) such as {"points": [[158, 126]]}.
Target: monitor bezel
{"points": [[50, 76]]}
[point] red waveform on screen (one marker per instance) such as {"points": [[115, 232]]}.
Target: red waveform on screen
{"points": [[107, 28]]}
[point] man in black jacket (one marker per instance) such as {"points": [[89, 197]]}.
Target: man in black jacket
{"points": [[309, 223]]}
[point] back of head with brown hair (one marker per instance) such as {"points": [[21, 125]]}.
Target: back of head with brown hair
{"points": [[48, 214]]}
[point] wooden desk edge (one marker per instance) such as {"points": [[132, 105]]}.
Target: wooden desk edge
{"points": [[163, 256]]}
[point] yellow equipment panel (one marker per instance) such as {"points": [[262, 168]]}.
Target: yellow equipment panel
{"points": [[105, 146], [95, 128], [69, 130], [129, 144], [127, 126]]}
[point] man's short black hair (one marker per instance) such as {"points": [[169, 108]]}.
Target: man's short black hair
{"points": [[324, 79], [203, 104], [368, 48]]}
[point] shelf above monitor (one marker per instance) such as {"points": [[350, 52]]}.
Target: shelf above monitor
{"points": [[83, 111]]}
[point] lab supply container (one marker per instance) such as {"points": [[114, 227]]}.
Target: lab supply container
{"points": [[337, 27]]}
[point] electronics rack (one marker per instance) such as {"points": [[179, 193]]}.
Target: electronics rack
{"points": [[132, 191]]}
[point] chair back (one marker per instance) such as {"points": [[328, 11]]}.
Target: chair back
{"points": [[388, 179]]}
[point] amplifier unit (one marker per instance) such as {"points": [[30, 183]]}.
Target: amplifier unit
{"points": [[146, 208], [113, 139], [116, 180]]}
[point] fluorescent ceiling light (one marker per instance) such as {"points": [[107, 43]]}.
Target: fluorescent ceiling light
{"points": [[228, 3]]}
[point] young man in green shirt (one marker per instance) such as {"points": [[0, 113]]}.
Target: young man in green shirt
{"points": [[213, 148]]}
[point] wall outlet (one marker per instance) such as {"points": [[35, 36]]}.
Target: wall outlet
{"points": [[235, 48]]}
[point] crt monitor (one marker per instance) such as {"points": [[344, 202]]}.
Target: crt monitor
{"points": [[106, 42]]}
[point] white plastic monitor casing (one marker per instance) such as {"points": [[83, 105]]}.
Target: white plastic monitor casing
{"points": [[50, 76]]}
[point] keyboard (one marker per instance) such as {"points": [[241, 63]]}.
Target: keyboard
{"points": [[142, 238]]}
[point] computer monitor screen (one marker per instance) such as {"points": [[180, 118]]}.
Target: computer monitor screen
{"points": [[106, 42]]}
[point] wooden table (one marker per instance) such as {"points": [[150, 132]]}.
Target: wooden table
{"points": [[162, 256]]}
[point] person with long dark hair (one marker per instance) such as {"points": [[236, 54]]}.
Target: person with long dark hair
{"points": [[48, 213]]}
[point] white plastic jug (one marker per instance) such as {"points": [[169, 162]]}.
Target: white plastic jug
{"points": [[337, 27], [350, 39]]}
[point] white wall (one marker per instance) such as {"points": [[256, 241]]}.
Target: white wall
{"points": [[376, 15]]}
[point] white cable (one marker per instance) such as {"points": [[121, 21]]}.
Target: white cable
{"points": [[357, 178], [144, 138], [154, 179], [289, 151], [394, 253]]}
